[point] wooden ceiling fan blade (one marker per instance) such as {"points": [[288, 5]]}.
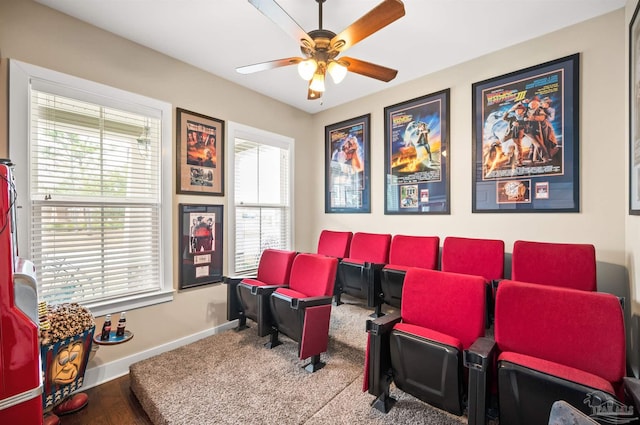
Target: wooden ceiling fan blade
{"points": [[264, 66], [368, 69], [281, 18], [377, 18]]}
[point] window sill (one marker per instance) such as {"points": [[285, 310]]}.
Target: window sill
{"points": [[129, 303]]}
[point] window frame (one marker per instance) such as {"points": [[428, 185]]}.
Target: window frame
{"points": [[20, 75], [241, 131]]}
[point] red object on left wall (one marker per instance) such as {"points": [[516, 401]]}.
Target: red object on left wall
{"points": [[20, 375]]}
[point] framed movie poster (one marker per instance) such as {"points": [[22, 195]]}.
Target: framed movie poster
{"points": [[347, 166], [634, 112], [416, 160], [525, 140], [200, 154], [200, 245]]}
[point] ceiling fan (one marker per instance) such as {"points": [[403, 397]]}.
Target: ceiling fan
{"points": [[321, 47]]}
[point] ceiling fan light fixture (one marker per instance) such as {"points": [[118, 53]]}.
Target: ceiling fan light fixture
{"points": [[307, 68], [337, 71], [317, 83]]}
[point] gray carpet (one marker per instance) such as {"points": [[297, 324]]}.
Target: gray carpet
{"points": [[230, 378]]}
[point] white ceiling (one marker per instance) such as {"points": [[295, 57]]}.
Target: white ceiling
{"points": [[220, 35]]}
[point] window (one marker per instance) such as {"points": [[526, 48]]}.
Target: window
{"points": [[261, 170], [88, 173]]}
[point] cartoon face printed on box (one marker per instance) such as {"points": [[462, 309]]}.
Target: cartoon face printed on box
{"points": [[67, 363]]}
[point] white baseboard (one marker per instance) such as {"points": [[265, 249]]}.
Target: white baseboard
{"points": [[100, 374]]}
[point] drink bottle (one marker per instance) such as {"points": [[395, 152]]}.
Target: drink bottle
{"points": [[121, 325], [106, 328]]}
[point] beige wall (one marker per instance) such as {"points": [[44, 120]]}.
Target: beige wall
{"points": [[38, 35], [602, 147], [35, 34]]}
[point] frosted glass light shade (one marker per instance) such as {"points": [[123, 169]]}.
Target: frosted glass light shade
{"points": [[337, 71], [307, 68], [317, 84]]}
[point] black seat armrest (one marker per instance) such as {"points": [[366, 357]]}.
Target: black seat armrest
{"points": [[479, 359], [234, 307], [265, 290], [301, 303], [632, 391], [383, 325], [480, 355], [229, 280]]}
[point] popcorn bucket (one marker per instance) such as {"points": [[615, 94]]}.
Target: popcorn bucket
{"points": [[63, 365]]}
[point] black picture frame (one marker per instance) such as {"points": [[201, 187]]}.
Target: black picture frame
{"points": [[348, 166], [200, 242], [416, 155], [199, 154], [634, 114], [526, 140]]}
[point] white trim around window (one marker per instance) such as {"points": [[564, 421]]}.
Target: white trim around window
{"points": [[23, 78]]}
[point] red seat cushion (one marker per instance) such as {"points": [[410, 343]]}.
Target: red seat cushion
{"points": [[290, 293], [253, 282], [430, 335], [353, 261], [559, 370]]}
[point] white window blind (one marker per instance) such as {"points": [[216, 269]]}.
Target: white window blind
{"points": [[261, 200], [94, 207], [95, 200]]}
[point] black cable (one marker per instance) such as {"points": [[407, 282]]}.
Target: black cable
{"points": [[12, 187]]}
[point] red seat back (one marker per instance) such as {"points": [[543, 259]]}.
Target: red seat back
{"points": [[579, 329], [370, 247], [415, 251], [479, 257], [275, 266], [556, 264], [313, 275], [334, 244], [449, 303]]}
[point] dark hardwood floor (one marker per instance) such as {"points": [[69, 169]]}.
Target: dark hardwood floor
{"points": [[111, 403]]}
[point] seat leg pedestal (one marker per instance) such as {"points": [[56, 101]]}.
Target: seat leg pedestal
{"points": [[242, 323], [338, 300], [314, 365], [273, 340], [384, 402], [378, 312]]}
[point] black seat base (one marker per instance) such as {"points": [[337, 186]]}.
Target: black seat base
{"points": [[314, 364], [384, 402]]}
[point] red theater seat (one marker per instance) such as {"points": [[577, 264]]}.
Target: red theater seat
{"points": [[252, 294], [406, 252], [359, 273], [421, 348], [550, 344], [302, 311], [478, 257], [334, 244]]}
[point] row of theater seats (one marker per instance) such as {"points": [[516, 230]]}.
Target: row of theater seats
{"points": [[550, 343], [555, 338], [291, 294], [373, 266]]}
